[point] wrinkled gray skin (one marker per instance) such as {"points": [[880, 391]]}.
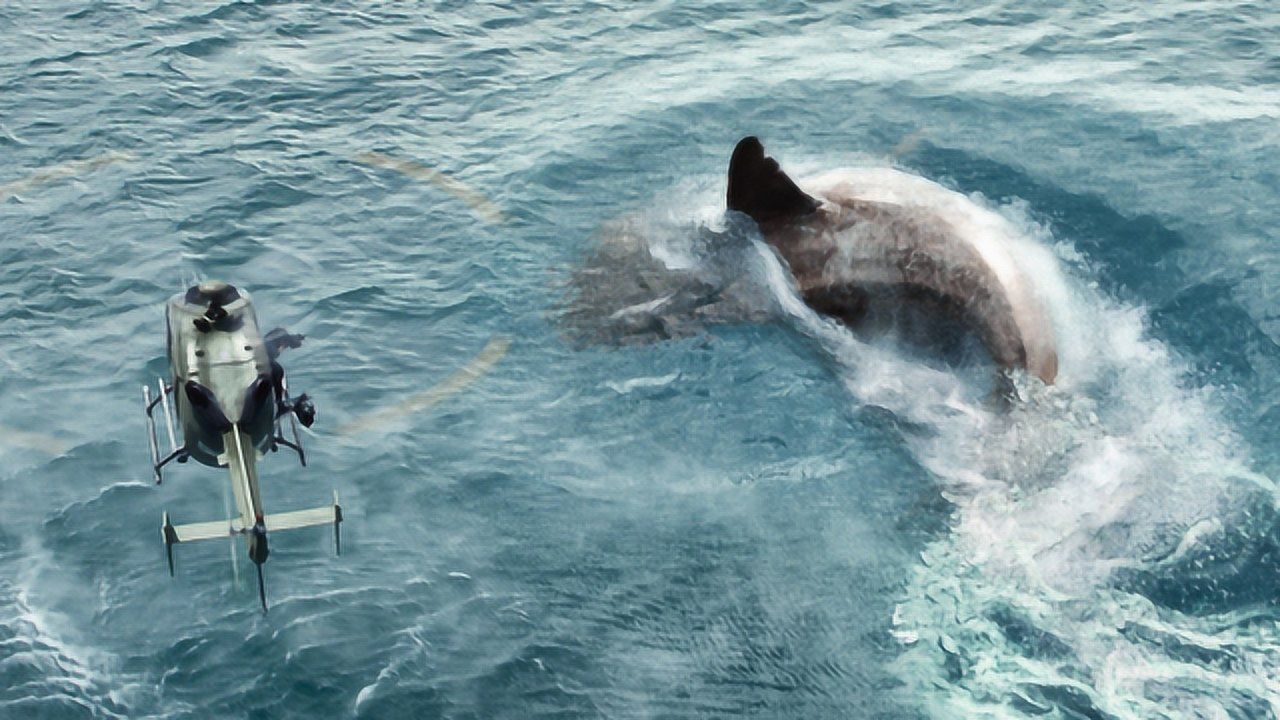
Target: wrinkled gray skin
{"points": [[855, 260], [858, 239], [877, 249], [624, 295]]}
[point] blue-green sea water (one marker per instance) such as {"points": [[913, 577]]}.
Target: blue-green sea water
{"points": [[760, 516]]}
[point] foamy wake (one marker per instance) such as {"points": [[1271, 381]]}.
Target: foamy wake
{"points": [[45, 671], [1119, 468]]}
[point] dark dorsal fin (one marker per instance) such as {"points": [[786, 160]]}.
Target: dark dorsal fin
{"points": [[759, 188]]}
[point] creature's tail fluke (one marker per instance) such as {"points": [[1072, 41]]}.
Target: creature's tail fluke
{"points": [[759, 188]]}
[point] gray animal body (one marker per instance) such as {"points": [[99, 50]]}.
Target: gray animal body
{"points": [[857, 235]]}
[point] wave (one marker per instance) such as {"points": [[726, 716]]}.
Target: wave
{"points": [[1079, 574], [45, 671]]}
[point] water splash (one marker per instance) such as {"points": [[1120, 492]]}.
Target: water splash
{"points": [[1028, 606]]}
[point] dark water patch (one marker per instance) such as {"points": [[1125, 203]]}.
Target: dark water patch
{"points": [[1231, 569], [495, 494], [1023, 633], [1265, 419], [221, 247], [52, 707], [1190, 693], [1046, 46], [423, 33], [406, 309], [365, 97], [539, 681], [187, 658], [302, 640], [1002, 16], [1222, 659], [1024, 704], [301, 30], [205, 47], [1232, 349], [101, 466], [239, 10], [161, 189], [224, 221], [727, 641], [1136, 255], [64, 75], [506, 21], [926, 514], [409, 704], [275, 194], [1073, 703], [1231, 353], [99, 547], [67, 58], [230, 100]]}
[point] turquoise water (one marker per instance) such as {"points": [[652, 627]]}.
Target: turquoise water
{"points": [[761, 516]]}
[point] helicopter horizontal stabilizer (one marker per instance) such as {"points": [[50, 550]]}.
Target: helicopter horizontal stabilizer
{"points": [[214, 529], [211, 530], [174, 534], [323, 515]]}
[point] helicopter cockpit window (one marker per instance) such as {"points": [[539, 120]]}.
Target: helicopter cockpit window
{"points": [[204, 405]]}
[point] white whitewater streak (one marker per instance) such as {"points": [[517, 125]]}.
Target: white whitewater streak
{"points": [[627, 386], [43, 442], [875, 374], [1122, 73], [411, 659], [42, 638], [1116, 464], [53, 173]]}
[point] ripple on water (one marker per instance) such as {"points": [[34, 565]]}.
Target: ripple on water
{"points": [[713, 525]]}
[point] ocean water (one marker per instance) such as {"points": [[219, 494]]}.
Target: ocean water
{"points": [[748, 514]]}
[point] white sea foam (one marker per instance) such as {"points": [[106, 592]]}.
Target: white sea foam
{"points": [[1117, 465], [1090, 66], [41, 637]]}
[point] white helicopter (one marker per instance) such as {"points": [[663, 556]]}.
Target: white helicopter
{"points": [[231, 401]]}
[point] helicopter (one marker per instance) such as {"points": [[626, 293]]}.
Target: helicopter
{"points": [[227, 395]]}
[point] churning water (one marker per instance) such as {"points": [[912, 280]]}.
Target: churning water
{"points": [[747, 511]]}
